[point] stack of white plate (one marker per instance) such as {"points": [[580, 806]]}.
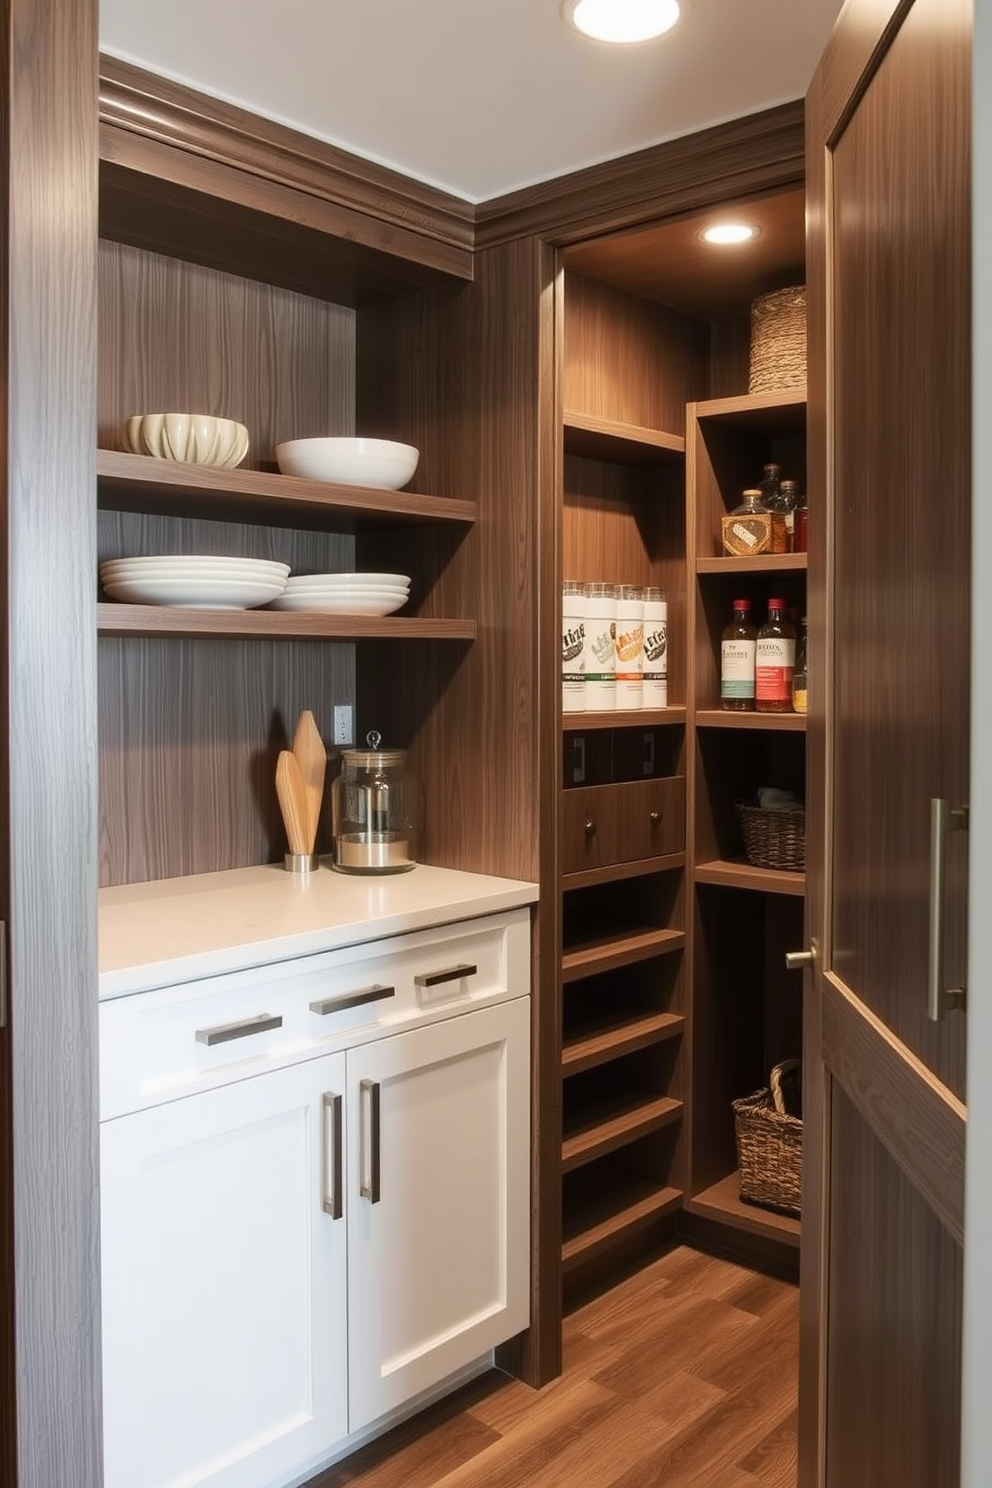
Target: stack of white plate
{"points": [[345, 593], [195, 582]]}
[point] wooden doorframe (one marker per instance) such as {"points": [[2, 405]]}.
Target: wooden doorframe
{"points": [[49, 121]]}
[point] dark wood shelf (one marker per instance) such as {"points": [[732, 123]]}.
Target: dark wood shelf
{"points": [[609, 439], [615, 1036], [774, 722], [595, 1223], [741, 875], [582, 723], [764, 563], [162, 620], [615, 872], [608, 952], [612, 1122], [782, 411], [140, 483], [723, 1202]]}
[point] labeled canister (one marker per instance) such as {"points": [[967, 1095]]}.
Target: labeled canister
{"points": [[630, 646], [654, 691], [599, 653], [573, 636]]}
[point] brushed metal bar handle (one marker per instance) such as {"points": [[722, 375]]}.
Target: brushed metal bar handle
{"points": [[372, 1187], [450, 974], [325, 1005], [796, 960], [223, 1033], [333, 1202], [3, 973], [942, 821]]}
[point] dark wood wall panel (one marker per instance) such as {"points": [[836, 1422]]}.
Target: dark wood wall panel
{"points": [[628, 359], [190, 730], [178, 337], [895, 1278]]}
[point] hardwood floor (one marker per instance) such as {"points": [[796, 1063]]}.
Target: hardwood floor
{"points": [[682, 1376]]}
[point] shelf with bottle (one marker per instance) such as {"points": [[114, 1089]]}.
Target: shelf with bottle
{"points": [[726, 675]]}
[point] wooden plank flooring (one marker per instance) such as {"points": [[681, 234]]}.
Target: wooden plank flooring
{"points": [[682, 1376]]}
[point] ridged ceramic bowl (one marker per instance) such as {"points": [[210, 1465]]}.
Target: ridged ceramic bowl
{"points": [[194, 438], [351, 462]]}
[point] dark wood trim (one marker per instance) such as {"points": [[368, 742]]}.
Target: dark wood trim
{"points": [[748, 157], [156, 108], [49, 377]]}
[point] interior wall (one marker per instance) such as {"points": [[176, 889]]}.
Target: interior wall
{"points": [[977, 1420]]}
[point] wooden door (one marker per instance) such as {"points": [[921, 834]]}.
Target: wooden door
{"points": [[890, 495], [224, 1283], [438, 1202]]}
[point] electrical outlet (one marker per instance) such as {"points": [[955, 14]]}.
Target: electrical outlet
{"points": [[342, 724]]}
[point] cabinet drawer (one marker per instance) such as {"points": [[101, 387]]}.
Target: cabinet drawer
{"points": [[651, 818], [157, 1045], [589, 827]]}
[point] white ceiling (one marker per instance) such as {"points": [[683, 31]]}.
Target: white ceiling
{"points": [[479, 98]]}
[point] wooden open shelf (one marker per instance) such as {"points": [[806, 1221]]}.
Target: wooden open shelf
{"points": [[609, 439], [613, 1122], [614, 872], [615, 1036], [740, 875], [581, 723], [612, 951], [162, 620], [764, 563], [139, 483], [723, 1202], [786, 408], [608, 1216], [794, 723]]}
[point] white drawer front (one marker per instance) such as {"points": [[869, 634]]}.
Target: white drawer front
{"points": [[157, 1045]]}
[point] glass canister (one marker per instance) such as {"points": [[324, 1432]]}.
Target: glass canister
{"points": [[375, 811]]}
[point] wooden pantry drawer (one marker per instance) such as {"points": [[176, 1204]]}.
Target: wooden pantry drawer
{"points": [[589, 827], [651, 818]]}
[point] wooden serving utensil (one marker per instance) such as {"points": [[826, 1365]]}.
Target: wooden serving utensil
{"points": [[311, 756], [292, 802]]}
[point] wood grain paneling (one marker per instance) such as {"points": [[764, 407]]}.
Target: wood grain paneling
{"points": [[895, 1347], [763, 152], [48, 378], [178, 337]]}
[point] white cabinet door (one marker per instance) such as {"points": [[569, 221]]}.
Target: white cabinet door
{"points": [[438, 1205], [224, 1284]]}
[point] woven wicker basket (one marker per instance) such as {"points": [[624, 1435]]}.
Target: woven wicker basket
{"points": [[778, 340], [769, 1153], [774, 838]]}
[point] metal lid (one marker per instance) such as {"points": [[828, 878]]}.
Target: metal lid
{"points": [[373, 758]]}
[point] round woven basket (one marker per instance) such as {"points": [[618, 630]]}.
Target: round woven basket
{"points": [[774, 838], [778, 340]]}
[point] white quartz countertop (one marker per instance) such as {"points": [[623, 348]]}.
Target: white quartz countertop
{"points": [[178, 929]]}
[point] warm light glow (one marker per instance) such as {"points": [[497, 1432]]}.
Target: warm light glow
{"points": [[729, 232], [621, 20]]}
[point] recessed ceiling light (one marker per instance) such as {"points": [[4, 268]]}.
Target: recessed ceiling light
{"points": [[621, 20], [730, 232]]}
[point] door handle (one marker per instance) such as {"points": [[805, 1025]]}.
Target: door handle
{"points": [[796, 960], [370, 1188], [223, 1033], [450, 974], [943, 820], [333, 1201]]}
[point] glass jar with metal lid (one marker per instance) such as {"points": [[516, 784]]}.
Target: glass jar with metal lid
{"points": [[375, 811]]}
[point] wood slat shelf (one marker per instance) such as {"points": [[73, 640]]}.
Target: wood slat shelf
{"points": [[764, 563], [773, 722], [608, 952], [161, 620], [613, 1122], [784, 410], [609, 439], [582, 723], [606, 1217], [616, 872], [740, 875], [140, 483], [723, 1202], [616, 1036]]}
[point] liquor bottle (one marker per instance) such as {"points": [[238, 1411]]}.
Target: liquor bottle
{"points": [[789, 498], [770, 485], [799, 675], [779, 497], [801, 534], [775, 662], [737, 661]]}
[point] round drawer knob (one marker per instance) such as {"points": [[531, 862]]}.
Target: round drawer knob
{"points": [[655, 818], [590, 828]]}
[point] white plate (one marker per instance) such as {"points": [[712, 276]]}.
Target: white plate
{"points": [[330, 604], [202, 593], [344, 580], [196, 564], [380, 591]]}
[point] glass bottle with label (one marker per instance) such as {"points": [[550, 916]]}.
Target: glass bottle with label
{"points": [[775, 662], [770, 485], [654, 693], [799, 675], [737, 661], [573, 634], [630, 646], [600, 648]]}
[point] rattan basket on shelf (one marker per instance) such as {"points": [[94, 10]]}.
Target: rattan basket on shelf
{"points": [[769, 1153], [774, 837], [778, 340]]}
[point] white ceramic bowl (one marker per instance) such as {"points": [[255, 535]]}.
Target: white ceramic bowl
{"points": [[339, 604], [193, 438], [194, 592], [350, 462]]}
